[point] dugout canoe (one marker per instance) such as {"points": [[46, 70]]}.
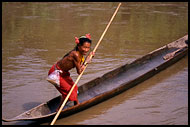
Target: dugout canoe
{"points": [[111, 83]]}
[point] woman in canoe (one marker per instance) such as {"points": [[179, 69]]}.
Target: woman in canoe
{"points": [[59, 74]]}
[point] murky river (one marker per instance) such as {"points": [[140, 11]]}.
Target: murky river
{"points": [[36, 35]]}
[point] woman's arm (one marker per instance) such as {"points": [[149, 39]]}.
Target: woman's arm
{"points": [[88, 59], [77, 63], [79, 66]]}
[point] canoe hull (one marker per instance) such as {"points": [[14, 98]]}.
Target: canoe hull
{"points": [[123, 87], [91, 92]]}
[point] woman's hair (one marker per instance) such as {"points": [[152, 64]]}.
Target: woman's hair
{"points": [[81, 42], [82, 39]]}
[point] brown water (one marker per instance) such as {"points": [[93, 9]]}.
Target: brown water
{"points": [[36, 35]]}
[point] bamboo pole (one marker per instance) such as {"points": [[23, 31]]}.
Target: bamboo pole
{"points": [[86, 64]]}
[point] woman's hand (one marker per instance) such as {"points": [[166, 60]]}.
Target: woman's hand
{"points": [[81, 68], [91, 54], [87, 61], [89, 57]]}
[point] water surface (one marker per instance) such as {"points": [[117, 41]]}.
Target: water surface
{"points": [[36, 35]]}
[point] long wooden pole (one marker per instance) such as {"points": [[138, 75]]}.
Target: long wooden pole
{"points": [[67, 97]]}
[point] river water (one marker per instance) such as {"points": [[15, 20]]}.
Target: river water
{"points": [[35, 35]]}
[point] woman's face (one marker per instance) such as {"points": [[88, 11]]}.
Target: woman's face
{"points": [[83, 49]]}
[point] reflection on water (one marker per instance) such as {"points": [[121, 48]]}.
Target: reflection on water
{"points": [[36, 35]]}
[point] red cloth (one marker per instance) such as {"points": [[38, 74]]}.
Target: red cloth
{"points": [[66, 84]]}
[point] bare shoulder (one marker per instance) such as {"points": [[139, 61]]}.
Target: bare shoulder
{"points": [[74, 55]]}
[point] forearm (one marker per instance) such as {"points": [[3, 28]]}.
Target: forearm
{"points": [[89, 58], [80, 69]]}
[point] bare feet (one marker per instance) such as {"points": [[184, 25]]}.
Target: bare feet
{"points": [[76, 102]]}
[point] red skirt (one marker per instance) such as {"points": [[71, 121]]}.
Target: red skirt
{"points": [[66, 84]]}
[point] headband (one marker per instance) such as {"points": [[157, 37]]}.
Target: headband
{"points": [[86, 36]]}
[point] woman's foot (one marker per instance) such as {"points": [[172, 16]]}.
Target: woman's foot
{"points": [[76, 102]]}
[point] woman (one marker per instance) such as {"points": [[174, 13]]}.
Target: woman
{"points": [[60, 71]]}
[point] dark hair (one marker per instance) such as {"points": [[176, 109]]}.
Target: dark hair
{"points": [[81, 42]]}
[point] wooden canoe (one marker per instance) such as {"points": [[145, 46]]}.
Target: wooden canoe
{"points": [[111, 83]]}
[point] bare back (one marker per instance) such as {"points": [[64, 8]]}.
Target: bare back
{"points": [[70, 61]]}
